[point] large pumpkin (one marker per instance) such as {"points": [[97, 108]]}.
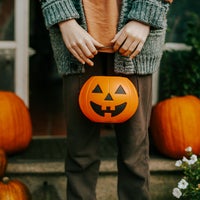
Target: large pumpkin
{"points": [[108, 99], [15, 123], [3, 162], [13, 190], [175, 125]]}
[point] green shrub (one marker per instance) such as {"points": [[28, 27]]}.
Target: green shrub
{"points": [[180, 70]]}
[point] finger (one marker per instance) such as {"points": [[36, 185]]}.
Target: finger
{"points": [[131, 48], [119, 41], [137, 50], [76, 51], [85, 60], [92, 46], [126, 46], [116, 36], [92, 50], [89, 48], [76, 55], [89, 62], [83, 51], [81, 55], [97, 44]]}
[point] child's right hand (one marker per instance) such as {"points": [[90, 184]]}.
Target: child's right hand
{"points": [[78, 41]]}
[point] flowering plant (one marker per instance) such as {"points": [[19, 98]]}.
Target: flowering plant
{"points": [[189, 186]]}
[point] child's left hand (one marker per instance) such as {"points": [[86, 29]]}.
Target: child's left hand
{"points": [[131, 38]]}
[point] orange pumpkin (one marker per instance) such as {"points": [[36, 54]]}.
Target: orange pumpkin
{"points": [[108, 99], [175, 125], [13, 190], [3, 162], [15, 123]]}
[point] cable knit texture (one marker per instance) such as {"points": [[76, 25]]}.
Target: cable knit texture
{"points": [[152, 12]]}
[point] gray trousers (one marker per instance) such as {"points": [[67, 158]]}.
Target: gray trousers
{"points": [[83, 136]]}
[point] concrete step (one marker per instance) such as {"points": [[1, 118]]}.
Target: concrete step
{"points": [[41, 168]]}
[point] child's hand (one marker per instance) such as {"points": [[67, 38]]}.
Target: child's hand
{"points": [[131, 38], [80, 43], [169, 1]]}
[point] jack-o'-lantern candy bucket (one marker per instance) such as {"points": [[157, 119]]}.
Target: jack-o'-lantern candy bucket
{"points": [[108, 99]]}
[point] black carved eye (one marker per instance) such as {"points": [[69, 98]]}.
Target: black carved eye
{"points": [[97, 89], [120, 90]]}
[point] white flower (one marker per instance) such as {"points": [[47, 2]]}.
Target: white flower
{"points": [[182, 184], [186, 160], [177, 193], [178, 163], [188, 149], [193, 159]]}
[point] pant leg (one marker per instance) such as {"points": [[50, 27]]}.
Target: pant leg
{"points": [[133, 146], [83, 136], [82, 160]]}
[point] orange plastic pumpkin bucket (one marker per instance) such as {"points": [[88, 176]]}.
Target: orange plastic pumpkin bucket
{"points": [[108, 99]]}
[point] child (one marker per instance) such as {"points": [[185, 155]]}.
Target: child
{"points": [[107, 37]]}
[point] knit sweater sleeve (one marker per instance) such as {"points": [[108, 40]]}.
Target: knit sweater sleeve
{"points": [[55, 11], [152, 12]]}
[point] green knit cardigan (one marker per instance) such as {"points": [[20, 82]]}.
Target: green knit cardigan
{"points": [[152, 12]]}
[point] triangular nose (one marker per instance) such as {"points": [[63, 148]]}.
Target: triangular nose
{"points": [[108, 97]]}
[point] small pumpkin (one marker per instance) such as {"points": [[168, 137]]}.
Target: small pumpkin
{"points": [[3, 162], [15, 123], [174, 125], [13, 190], [108, 99]]}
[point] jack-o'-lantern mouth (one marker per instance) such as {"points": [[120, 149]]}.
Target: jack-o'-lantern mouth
{"points": [[98, 109]]}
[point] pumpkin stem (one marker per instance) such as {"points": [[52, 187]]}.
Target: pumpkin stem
{"points": [[5, 179]]}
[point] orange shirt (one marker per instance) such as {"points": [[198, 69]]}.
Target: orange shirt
{"points": [[102, 19]]}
